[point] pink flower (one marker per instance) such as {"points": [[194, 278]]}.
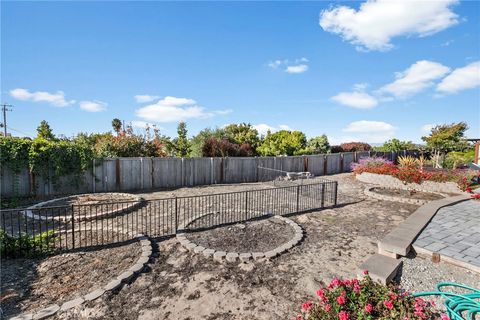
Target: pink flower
{"points": [[327, 307], [343, 315], [365, 272], [299, 317], [307, 306], [341, 300], [388, 304], [393, 296], [356, 288], [320, 293], [368, 308], [443, 316]]}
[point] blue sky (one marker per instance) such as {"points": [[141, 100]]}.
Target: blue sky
{"points": [[352, 70]]}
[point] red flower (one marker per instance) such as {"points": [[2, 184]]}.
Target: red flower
{"points": [[299, 317], [368, 308], [343, 315], [393, 296], [307, 306], [443, 316], [356, 288], [320, 293], [327, 307], [365, 272], [341, 300], [388, 304]]}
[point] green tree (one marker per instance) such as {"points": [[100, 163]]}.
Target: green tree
{"points": [[198, 141], [395, 145], [283, 143], [318, 145], [117, 125], [446, 138], [45, 132], [242, 133], [181, 143]]}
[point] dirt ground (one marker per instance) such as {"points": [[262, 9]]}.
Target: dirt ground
{"points": [[254, 236], [407, 194], [32, 284], [184, 285]]}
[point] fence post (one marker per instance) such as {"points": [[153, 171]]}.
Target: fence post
{"points": [[94, 176], [298, 198], [73, 227], [176, 214], [246, 205], [322, 203], [335, 194]]}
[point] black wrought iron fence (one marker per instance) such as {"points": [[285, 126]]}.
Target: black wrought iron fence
{"points": [[60, 228]]}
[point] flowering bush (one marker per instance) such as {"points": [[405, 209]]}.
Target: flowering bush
{"points": [[365, 299], [414, 174]]}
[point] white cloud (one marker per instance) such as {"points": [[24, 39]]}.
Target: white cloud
{"points": [[369, 131], [301, 68], [93, 106], [142, 98], [376, 22], [359, 100], [57, 99], [139, 124], [460, 79], [427, 128], [173, 109], [418, 77], [298, 65], [263, 128]]}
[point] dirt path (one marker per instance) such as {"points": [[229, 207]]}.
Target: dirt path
{"points": [[183, 285]]}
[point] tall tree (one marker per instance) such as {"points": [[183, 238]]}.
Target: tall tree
{"points": [[446, 138], [117, 125], [283, 143], [242, 133], [44, 131], [182, 145], [318, 145], [395, 145]]}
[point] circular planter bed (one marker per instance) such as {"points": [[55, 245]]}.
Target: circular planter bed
{"points": [[84, 207], [257, 239], [32, 284], [402, 195]]}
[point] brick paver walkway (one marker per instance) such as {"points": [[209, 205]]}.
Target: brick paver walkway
{"points": [[454, 232]]}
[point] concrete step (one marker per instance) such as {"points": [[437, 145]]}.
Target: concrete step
{"points": [[380, 268]]}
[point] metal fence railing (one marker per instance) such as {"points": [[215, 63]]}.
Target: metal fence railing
{"points": [[61, 228]]}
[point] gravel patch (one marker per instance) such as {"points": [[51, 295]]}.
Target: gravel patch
{"points": [[407, 194], [420, 274]]}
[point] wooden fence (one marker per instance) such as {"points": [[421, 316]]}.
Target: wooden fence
{"points": [[134, 174]]}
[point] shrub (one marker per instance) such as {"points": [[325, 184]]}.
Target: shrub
{"points": [[214, 147], [371, 163], [365, 299], [336, 149], [408, 161], [455, 160], [26, 245], [355, 146]]}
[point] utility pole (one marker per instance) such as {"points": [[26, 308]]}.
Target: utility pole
{"points": [[4, 110]]}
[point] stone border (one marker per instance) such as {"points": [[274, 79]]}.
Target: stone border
{"points": [[114, 284], [428, 254], [245, 256], [368, 192], [134, 203]]}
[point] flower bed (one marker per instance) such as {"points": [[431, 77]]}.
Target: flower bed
{"points": [[381, 171], [365, 299]]}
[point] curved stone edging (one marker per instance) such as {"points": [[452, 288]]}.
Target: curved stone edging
{"points": [[245, 256], [368, 192], [136, 202], [114, 284]]}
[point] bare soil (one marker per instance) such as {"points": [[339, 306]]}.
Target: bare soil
{"points": [[407, 194], [184, 285], [254, 236], [32, 284]]}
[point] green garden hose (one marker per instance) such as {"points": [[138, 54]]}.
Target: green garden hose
{"points": [[457, 304]]}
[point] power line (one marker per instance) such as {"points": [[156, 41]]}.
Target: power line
{"points": [[4, 110]]}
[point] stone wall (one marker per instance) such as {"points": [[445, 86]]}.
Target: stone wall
{"points": [[394, 183]]}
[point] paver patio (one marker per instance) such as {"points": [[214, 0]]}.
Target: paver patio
{"points": [[454, 232]]}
